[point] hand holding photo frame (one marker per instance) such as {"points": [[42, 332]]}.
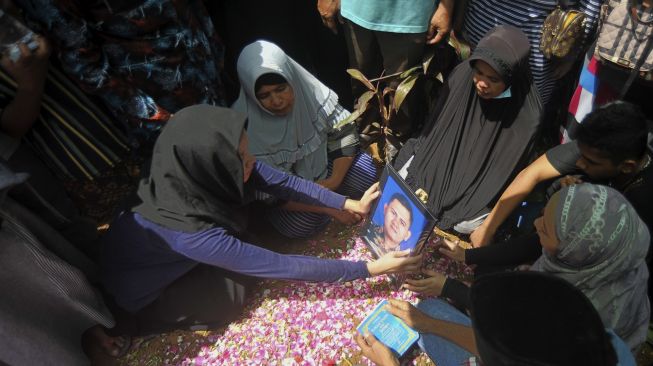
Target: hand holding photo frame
{"points": [[398, 221], [452, 238]]}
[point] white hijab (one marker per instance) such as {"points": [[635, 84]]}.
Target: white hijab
{"points": [[295, 143]]}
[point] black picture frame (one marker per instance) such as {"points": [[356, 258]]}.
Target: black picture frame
{"points": [[373, 233]]}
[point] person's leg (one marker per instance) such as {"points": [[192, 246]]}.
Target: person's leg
{"points": [[206, 297], [400, 52], [440, 350], [361, 175], [295, 224], [364, 54]]}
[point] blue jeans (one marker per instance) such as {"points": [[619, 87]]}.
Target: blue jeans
{"points": [[440, 350]]}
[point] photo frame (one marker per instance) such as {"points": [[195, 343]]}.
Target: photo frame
{"points": [[398, 219], [440, 235]]}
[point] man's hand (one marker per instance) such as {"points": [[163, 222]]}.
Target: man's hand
{"points": [[411, 315], [376, 351], [453, 251], [570, 180], [329, 10], [440, 24], [481, 236], [430, 286]]}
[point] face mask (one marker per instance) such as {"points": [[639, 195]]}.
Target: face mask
{"points": [[506, 94]]}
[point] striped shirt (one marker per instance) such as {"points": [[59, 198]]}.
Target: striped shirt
{"points": [[529, 16]]}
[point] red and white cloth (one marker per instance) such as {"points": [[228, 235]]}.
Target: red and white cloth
{"points": [[590, 93]]}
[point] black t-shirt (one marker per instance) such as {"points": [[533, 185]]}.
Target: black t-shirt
{"points": [[639, 191], [564, 157]]}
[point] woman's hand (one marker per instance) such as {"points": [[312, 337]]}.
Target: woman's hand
{"points": [[453, 251], [430, 286], [346, 217], [395, 262], [362, 207], [412, 316], [376, 351]]}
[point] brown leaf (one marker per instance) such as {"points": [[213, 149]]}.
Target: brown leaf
{"points": [[402, 91], [356, 74]]}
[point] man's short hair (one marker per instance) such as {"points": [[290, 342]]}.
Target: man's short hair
{"points": [[403, 200], [618, 130]]}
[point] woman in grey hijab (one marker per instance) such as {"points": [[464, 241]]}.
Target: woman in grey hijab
{"points": [[294, 125], [49, 308], [592, 237]]}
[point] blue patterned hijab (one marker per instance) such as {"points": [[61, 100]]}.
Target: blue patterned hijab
{"points": [[602, 250]]}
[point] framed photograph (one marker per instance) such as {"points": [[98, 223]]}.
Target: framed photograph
{"points": [[399, 220]]}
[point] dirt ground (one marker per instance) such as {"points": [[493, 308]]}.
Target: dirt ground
{"points": [[174, 348]]}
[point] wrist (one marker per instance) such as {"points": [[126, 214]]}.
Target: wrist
{"points": [[352, 205], [31, 85], [447, 5], [373, 268], [487, 227], [392, 362]]}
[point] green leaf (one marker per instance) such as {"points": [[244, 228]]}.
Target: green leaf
{"points": [[428, 59], [356, 74], [408, 72], [402, 91], [361, 106], [350, 119], [364, 100]]}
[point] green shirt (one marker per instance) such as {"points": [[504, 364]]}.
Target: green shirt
{"points": [[397, 16]]}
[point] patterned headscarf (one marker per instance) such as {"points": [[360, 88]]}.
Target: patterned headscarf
{"points": [[602, 250]]}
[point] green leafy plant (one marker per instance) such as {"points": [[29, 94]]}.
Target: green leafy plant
{"points": [[377, 135]]}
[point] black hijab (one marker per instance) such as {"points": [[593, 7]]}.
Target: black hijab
{"points": [[470, 147], [196, 175]]}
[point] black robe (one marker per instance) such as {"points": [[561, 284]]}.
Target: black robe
{"points": [[471, 147]]}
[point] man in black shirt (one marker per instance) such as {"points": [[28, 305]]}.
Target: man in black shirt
{"points": [[611, 148]]}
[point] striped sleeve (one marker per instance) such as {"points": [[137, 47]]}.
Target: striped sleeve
{"points": [[529, 16], [342, 141]]}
